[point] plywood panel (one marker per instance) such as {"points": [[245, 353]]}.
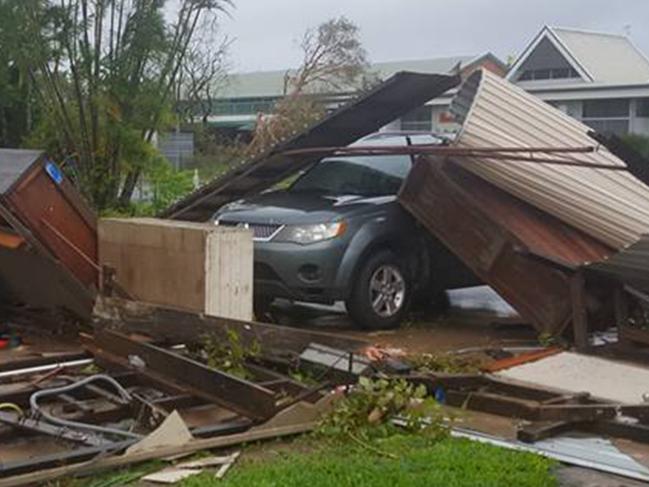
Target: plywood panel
{"points": [[193, 266]]}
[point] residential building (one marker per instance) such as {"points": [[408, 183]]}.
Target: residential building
{"points": [[248, 94], [601, 79]]}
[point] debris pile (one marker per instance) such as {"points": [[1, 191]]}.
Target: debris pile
{"points": [[526, 197]]}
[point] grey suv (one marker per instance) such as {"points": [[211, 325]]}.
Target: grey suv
{"points": [[338, 233]]}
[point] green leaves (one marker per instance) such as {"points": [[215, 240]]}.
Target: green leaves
{"points": [[229, 356], [368, 410], [104, 73]]}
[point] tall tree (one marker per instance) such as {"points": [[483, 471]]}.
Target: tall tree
{"points": [[333, 60], [105, 71], [17, 107]]}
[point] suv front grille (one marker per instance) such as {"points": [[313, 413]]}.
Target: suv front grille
{"points": [[262, 232]]}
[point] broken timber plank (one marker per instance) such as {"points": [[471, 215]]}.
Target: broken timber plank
{"points": [[540, 431], [493, 404], [95, 465], [178, 326], [241, 396], [576, 412], [579, 312]]}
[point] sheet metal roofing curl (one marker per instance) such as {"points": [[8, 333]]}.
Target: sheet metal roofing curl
{"points": [[611, 206]]}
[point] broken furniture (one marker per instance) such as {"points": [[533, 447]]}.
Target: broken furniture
{"points": [[198, 267]]}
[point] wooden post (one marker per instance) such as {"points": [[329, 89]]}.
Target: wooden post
{"points": [[579, 312]]}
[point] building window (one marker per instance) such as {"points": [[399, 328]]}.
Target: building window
{"points": [[550, 73], [418, 120], [642, 108], [244, 106], [607, 116]]}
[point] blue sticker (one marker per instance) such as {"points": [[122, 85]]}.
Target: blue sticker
{"points": [[54, 172]]}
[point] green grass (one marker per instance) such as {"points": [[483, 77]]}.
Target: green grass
{"points": [[448, 463]]}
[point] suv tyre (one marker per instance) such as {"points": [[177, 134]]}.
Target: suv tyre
{"points": [[381, 293]]}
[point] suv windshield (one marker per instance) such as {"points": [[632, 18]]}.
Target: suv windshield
{"points": [[366, 176]]}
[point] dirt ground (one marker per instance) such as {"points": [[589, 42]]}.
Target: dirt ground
{"points": [[476, 319]]}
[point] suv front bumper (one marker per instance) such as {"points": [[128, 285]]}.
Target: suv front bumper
{"points": [[299, 272]]}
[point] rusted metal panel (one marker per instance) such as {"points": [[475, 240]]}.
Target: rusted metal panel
{"points": [[497, 235], [45, 202], [610, 205], [52, 265], [398, 95]]}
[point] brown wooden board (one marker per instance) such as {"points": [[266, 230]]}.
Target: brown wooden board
{"points": [[165, 324], [57, 215]]}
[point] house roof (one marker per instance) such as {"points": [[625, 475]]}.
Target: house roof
{"points": [[271, 83], [598, 57]]}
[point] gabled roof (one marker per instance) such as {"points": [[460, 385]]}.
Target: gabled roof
{"points": [[598, 57], [271, 83]]}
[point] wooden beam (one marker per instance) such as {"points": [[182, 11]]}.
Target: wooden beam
{"points": [[113, 462], [493, 404], [179, 326], [534, 432], [577, 412], [241, 396], [579, 312]]}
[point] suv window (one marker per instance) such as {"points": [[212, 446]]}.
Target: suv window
{"points": [[366, 176]]}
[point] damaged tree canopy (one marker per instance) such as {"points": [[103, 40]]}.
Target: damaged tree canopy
{"points": [[397, 96]]}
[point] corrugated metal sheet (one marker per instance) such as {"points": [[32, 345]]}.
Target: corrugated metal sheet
{"points": [[396, 96], [611, 206], [607, 57]]}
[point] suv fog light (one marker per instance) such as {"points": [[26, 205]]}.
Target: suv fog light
{"points": [[309, 273]]}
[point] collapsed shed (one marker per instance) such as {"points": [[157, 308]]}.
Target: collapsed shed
{"points": [[529, 227]]}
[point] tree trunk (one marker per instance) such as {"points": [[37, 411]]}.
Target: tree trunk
{"points": [[130, 182]]}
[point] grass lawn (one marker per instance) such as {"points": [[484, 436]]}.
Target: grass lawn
{"points": [[418, 462]]}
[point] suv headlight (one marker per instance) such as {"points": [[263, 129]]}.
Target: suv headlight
{"points": [[307, 234]]}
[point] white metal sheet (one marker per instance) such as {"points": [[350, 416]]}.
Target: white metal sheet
{"points": [[612, 206]]}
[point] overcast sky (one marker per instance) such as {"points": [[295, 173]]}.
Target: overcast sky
{"points": [[266, 32]]}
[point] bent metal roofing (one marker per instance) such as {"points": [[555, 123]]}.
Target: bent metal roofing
{"points": [[398, 95], [611, 206]]}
